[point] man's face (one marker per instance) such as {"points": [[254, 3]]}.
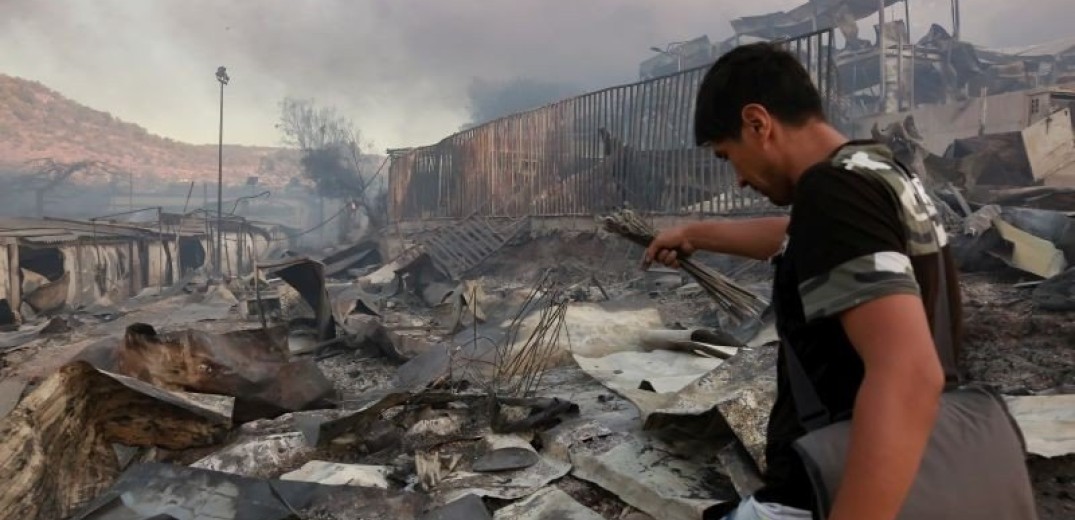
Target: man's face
{"points": [[756, 162]]}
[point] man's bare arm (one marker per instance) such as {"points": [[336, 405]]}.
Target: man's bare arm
{"points": [[895, 408], [757, 238]]}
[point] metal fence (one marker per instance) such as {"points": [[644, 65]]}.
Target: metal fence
{"points": [[627, 145]]}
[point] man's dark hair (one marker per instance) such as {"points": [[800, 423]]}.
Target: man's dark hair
{"points": [[761, 73]]}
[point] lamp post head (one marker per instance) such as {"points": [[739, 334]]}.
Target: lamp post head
{"points": [[657, 49], [222, 75]]}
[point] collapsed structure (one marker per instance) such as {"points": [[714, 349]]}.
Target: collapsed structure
{"points": [[493, 353], [49, 264]]}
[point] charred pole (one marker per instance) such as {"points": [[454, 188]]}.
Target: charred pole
{"points": [[222, 77]]}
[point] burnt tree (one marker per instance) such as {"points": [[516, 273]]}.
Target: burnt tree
{"points": [[331, 151]]}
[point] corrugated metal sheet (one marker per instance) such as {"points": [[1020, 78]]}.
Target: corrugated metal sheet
{"points": [[626, 145], [810, 16], [199, 224], [60, 231], [1052, 48], [57, 231]]}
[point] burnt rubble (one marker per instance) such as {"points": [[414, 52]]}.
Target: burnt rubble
{"points": [[437, 396], [495, 353]]}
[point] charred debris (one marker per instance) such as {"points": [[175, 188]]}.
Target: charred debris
{"points": [[493, 351], [484, 368]]}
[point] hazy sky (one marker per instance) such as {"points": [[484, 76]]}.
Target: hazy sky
{"points": [[399, 68]]}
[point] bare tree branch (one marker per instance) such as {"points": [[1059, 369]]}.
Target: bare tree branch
{"points": [[332, 151], [309, 127], [48, 173]]}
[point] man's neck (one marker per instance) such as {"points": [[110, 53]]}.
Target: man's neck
{"points": [[810, 144]]}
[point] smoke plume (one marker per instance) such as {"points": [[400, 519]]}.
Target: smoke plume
{"points": [[401, 69]]}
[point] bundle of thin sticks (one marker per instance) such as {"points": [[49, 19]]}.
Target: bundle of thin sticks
{"points": [[732, 298]]}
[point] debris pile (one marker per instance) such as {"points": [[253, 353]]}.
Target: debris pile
{"points": [[550, 380], [1006, 198]]}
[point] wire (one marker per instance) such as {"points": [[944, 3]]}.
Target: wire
{"points": [[248, 197], [315, 228], [338, 213]]}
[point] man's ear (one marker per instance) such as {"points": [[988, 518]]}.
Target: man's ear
{"points": [[756, 120]]}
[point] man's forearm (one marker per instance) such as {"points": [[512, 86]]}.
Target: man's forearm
{"points": [[757, 238], [892, 422]]}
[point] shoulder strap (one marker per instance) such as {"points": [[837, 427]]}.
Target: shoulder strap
{"points": [[941, 318], [942, 325], [813, 414]]}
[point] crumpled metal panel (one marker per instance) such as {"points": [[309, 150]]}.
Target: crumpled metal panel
{"points": [[1047, 423], [361, 254], [252, 365], [351, 299], [736, 396], [148, 490], [1057, 227], [1039, 197], [470, 507], [56, 445], [811, 16], [308, 278], [545, 504], [51, 296]]}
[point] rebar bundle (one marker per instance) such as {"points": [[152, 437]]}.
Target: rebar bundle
{"points": [[518, 367], [519, 373], [730, 296]]}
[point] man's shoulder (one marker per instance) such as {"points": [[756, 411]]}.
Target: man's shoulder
{"points": [[855, 166], [869, 159], [860, 164], [864, 157], [919, 214], [867, 176]]}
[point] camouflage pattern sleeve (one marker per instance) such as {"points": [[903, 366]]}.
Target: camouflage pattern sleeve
{"points": [[857, 281]]}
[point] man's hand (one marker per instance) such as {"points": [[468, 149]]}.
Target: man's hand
{"points": [[757, 238], [895, 407], [668, 248]]}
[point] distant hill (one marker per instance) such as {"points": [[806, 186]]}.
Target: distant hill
{"points": [[37, 122]]}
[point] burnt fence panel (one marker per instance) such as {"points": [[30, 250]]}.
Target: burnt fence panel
{"points": [[624, 146]]}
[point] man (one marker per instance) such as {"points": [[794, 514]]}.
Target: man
{"points": [[855, 261]]}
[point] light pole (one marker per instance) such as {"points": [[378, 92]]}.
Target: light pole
{"points": [[222, 77], [955, 19], [668, 52]]}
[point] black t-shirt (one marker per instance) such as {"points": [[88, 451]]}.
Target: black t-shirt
{"points": [[859, 230]]}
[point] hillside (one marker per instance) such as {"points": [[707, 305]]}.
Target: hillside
{"points": [[37, 122]]}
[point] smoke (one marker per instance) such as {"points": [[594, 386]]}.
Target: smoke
{"points": [[402, 70], [489, 100], [329, 169]]}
